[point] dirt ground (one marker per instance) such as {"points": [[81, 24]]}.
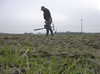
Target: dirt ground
{"points": [[72, 45]]}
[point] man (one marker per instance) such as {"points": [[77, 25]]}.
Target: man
{"points": [[48, 20]]}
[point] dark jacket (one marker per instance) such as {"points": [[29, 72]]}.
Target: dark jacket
{"points": [[47, 14]]}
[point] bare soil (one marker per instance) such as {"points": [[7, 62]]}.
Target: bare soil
{"points": [[72, 45]]}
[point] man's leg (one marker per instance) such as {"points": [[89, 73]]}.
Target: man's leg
{"points": [[47, 31], [47, 28], [51, 31]]}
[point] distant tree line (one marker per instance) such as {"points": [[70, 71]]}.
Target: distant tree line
{"points": [[68, 32]]}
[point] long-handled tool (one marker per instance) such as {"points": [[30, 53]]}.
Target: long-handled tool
{"points": [[45, 27]]}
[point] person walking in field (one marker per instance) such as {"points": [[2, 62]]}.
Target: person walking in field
{"points": [[48, 20]]}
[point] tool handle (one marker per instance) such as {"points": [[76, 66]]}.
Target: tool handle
{"points": [[53, 26]]}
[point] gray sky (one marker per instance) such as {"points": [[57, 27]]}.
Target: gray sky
{"points": [[20, 16]]}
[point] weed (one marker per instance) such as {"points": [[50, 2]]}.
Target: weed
{"points": [[16, 37]]}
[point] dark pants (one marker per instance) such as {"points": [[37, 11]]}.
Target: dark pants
{"points": [[48, 27]]}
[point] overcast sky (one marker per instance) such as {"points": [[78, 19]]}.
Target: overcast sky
{"points": [[20, 16]]}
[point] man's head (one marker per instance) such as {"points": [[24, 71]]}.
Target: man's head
{"points": [[42, 8]]}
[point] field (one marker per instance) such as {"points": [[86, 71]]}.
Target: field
{"points": [[61, 54]]}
